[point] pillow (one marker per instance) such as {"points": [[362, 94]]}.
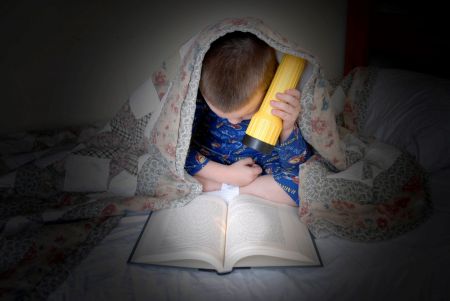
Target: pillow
{"points": [[412, 111]]}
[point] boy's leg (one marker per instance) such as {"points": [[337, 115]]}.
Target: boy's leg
{"points": [[267, 188]]}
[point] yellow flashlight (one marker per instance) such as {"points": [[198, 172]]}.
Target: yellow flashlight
{"points": [[264, 129]]}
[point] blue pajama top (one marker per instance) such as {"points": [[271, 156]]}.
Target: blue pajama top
{"points": [[215, 138]]}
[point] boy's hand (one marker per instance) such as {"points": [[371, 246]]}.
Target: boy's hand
{"points": [[243, 172], [287, 108]]}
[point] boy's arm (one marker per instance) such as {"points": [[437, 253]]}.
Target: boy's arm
{"points": [[240, 173], [208, 184], [212, 174], [294, 150], [194, 161]]}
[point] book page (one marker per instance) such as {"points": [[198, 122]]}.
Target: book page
{"points": [[193, 232], [258, 228]]}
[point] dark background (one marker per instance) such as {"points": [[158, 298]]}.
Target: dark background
{"points": [[75, 62]]}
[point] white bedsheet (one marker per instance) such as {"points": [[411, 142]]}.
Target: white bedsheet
{"points": [[415, 266]]}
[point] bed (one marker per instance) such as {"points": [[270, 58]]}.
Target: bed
{"points": [[406, 108], [412, 266]]}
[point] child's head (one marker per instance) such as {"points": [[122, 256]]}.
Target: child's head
{"points": [[236, 72]]}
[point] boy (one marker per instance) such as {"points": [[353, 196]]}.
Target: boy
{"points": [[236, 73]]}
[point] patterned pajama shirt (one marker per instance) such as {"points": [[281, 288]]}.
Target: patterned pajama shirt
{"points": [[215, 138]]}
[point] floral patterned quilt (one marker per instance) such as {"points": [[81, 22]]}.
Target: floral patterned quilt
{"points": [[368, 190], [62, 191]]}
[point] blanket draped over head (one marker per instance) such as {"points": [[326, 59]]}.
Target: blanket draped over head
{"points": [[62, 191]]}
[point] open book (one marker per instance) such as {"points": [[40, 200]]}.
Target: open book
{"points": [[211, 233]]}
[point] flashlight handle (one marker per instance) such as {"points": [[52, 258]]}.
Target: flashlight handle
{"points": [[264, 126]]}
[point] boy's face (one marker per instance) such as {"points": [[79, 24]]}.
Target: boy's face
{"points": [[243, 113]]}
